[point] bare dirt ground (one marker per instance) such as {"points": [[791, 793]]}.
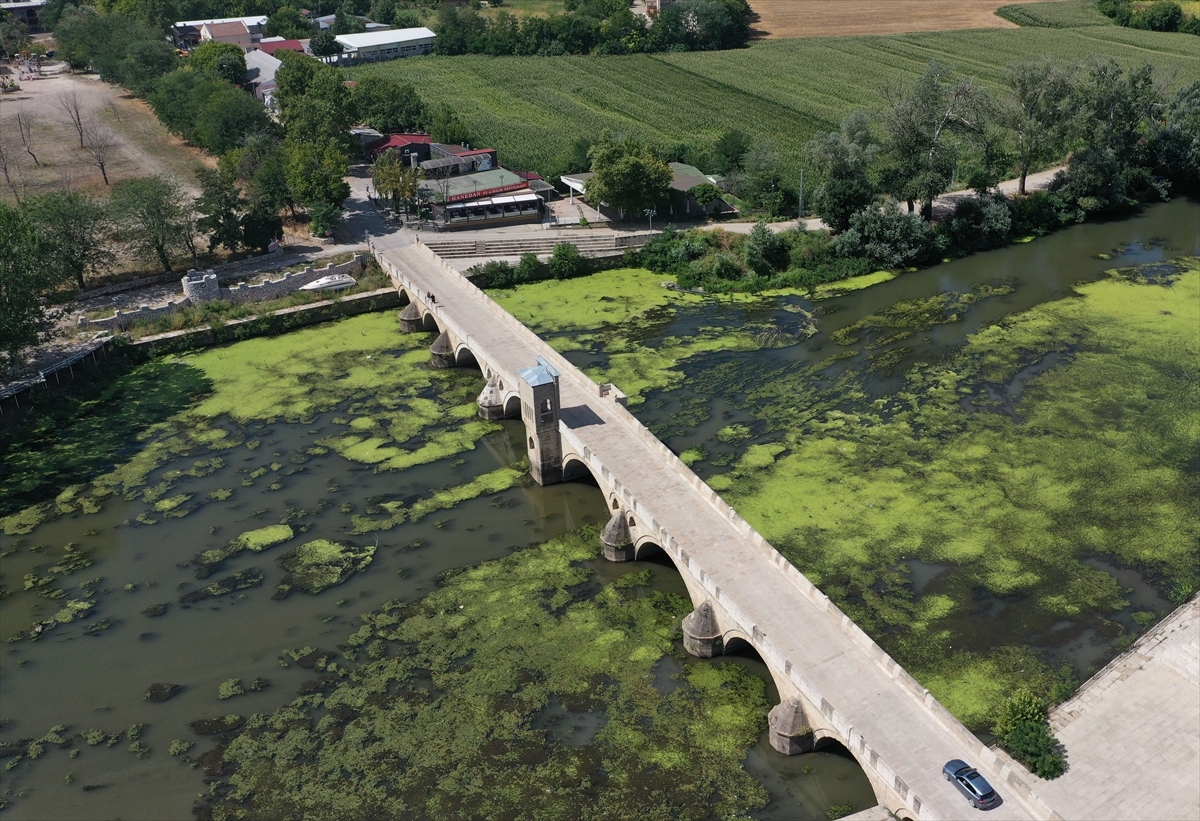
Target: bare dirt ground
{"points": [[144, 147], [821, 18]]}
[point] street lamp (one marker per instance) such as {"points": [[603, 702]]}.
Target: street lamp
{"points": [[650, 212]]}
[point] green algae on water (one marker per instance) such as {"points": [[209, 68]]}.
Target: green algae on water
{"points": [[444, 709], [321, 564]]}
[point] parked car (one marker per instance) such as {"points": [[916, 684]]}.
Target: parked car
{"points": [[971, 784]]}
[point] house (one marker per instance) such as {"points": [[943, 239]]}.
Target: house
{"points": [[270, 45], [414, 148], [235, 33], [186, 34], [260, 75], [458, 159], [680, 204], [372, 46]]}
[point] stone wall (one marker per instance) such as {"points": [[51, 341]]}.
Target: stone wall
{"points": [[204, 286], [225, 271]]}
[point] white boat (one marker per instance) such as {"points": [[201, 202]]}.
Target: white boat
{"points": [[336, 282]]}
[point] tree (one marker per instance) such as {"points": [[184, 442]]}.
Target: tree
{"points": [[324, 114], [627, 175], [386, 105], [13, 35], [844, 157], [151, 213], [286, 22], [1022, 729], [324, 44], [25, 134], [1040, 111], [220, 206], [220, 61], [100, 147], [72, 108], [924, 128], [765, 251], [25, 277], [887, 236], [260, 227], [448, 128], [705, 194], [225, 117], [393, 179], [316, 175], [729, 150], [346, 22], [1177, 144], [76, 228], [293, 77]]}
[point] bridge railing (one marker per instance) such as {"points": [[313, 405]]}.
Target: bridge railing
{"points": [[1014, 775]]}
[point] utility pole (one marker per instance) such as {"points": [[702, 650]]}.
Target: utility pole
{"points": [[800, 213]]}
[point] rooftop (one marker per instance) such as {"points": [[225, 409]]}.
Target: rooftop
{"points": [[272, 46], [481, 182], [257, 20], [227, 29], [380, 38], [261, 67], [397, 141]]}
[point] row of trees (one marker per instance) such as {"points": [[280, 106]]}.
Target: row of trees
{"points": [[596, 27], [1126, 143]]}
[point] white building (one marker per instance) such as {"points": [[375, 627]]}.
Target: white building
{"points": [[372, 46]]}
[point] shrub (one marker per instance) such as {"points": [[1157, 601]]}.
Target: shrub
{"points": [[978, 224], [764, 251], [1163, 15], [494, 274], [1037, 214], [229, 689], [1022, 729], [528, 268], [887, 236], [566, 261]]}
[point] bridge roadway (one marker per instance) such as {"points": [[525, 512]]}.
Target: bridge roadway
{"points": [[851, 690]]}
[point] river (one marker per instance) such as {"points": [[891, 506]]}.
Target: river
{"points": [[97, 677]]}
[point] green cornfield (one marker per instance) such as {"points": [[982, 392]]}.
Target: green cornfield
{"points": [[1067, 14], [532, 108]]}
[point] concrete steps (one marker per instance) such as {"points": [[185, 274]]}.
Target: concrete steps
{"points": [[516, 246]]}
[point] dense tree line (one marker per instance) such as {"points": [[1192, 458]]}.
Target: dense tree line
{"points": [[595, 27], [1161, 15]]}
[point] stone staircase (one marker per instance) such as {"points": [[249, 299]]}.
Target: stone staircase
{"points": [[589, 245]]}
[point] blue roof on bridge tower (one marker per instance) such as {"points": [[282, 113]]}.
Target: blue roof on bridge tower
{"points": [[543, 374]]}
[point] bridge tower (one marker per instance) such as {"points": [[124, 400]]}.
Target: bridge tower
{"points": [[540, 412]]}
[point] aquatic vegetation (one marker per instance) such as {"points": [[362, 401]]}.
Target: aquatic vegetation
{"points": [[229, 689], [253, 540], [485, 484], [1097, 465], [321, 564], [242, 580], [440, 715], [911, 316], [179, 746]]}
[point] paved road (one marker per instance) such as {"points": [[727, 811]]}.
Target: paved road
{"points": [[891, 720]]}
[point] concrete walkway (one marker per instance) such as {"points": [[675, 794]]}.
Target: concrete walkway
{"points": [[1132, 733], [905, 737]]}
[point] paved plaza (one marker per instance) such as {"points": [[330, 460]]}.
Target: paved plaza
{"points": [[1132, 733]]}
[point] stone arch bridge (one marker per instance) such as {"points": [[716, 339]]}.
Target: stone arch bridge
{"points": [[835, 683]]}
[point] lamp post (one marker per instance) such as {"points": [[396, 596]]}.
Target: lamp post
{"points": [[650, 212]]}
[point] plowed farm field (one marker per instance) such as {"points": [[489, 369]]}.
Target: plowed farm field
{"points": [[818, 18]]}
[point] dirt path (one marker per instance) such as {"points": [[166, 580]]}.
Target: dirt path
{"points": [[144, 146], [821, 18]]}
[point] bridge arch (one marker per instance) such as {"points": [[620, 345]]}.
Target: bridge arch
{"points": [[464, 357], [429, 322]]}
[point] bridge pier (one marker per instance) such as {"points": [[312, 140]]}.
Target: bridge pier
{"points": [[411, 320], [491, 401], [790, 732], [701, 636], [441, 352], [615, 540]]}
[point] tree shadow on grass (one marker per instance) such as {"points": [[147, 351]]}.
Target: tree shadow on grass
{"points": [[77, 432]]}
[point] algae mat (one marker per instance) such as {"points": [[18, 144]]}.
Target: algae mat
{"points": [[976, 515]]}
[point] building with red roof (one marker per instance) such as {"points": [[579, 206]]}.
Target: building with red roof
{"points": [[272, 46]]}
